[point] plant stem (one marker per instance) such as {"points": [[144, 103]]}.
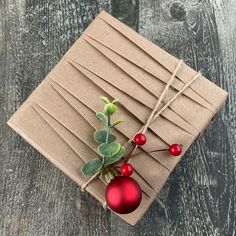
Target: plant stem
{"points": [[108, 127]]}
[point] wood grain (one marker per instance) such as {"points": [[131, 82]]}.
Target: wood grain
{"points": [[38, 199], [200, 198]]}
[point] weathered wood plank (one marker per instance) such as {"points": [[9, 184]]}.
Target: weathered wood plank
{"points": [[35, 197], [200, 198], [126, 11]]}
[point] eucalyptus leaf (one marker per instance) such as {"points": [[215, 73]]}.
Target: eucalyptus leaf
{"points": [[113, 159], [115, 101], [105, 99], [117, 122], [109, 149], [92, 167], [110, 108], [101, 116], [101, 135]]}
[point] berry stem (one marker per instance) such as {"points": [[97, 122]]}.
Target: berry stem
{"points": [[140, 153], [158, 150], [115, 166]]}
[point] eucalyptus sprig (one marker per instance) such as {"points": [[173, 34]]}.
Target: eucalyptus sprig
{"points": [[110, 151]]}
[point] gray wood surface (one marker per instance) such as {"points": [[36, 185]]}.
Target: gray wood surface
{"points": [[38, 199]]}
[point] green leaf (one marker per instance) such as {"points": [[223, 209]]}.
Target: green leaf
{"points": [[109, 149], [105, 99], [110, 160], [92, 167], [117, 122], [110, 108], [101, 135], [115, 101], [101, 116]]}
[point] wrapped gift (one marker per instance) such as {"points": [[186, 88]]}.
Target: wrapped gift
{"points": [[110, 59]]}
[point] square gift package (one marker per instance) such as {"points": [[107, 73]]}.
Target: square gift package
{"points": [[110, 59]]}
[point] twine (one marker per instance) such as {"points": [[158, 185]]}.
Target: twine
{"points": [[94, 176], [177, 94], [154, 114], [104, 205], [149, 120]]}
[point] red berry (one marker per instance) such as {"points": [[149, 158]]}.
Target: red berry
{"points": [[140, 139], [126, 169], [175, 149]]}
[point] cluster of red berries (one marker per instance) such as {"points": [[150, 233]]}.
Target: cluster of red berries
{"points": [[140, 139]]}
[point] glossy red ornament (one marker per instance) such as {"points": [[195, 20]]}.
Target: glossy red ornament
{"points": [[123, 194], [140, 139], [175, 149], [126, 169]]}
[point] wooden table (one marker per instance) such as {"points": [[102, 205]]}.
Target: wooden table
{"points": [[38, 199]]}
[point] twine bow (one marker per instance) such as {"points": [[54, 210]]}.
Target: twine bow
{"points": [[153, 116]]}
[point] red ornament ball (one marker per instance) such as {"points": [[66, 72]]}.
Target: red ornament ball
{"points": [[123, 195], [175, 149], [140, 139], [126, 169]]}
